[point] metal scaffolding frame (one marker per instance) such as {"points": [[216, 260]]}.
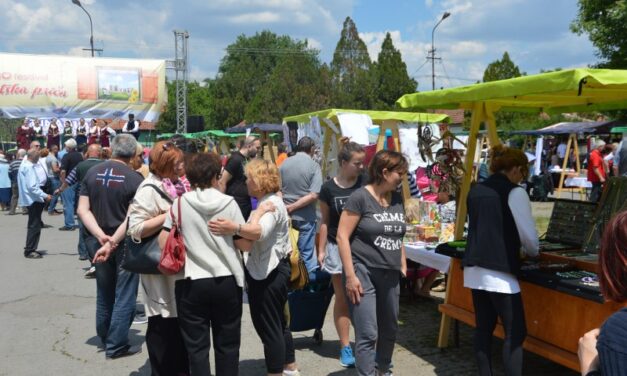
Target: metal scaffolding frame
{"points": [[180, 68]]}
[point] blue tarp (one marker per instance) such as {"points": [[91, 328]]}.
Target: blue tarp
{"points": [[589, 127]]}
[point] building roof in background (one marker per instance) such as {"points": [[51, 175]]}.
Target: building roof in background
{"points": [[456, 116]]}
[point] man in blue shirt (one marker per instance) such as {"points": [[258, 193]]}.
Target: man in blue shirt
{"points": [[34, 198]]}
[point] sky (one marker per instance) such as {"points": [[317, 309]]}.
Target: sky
{"points": [[535, 33]]}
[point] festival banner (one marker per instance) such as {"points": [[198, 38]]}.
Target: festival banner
{"points": [[73, 87]]}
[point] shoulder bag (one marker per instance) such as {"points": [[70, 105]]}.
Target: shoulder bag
{"points": [[173, 254], [299, 276], [143, 257]]}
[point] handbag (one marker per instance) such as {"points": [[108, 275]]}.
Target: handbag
{"points": [[173, 254], [299, 276], [144, 257]]}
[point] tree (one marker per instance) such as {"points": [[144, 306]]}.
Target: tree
{"points": [[501, 69], [392, 79], [297, 85], [352, 81], [199, 102], [605, 22], [246, 69]]}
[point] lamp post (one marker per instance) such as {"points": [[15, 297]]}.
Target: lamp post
{"points": [[444, 16], [91, 25]]}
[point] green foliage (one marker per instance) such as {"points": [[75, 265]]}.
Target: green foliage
{"points": [[352, 80], [605, 22], [8, 129], [245, 71], [501, 69], [392, 79], [264, 77], [199, 99], [297, 85]]}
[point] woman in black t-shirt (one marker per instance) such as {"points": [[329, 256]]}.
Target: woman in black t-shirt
{"points": [[333, 196], [370, 240]]}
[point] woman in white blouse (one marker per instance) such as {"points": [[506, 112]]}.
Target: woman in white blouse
{"points": [[147, 214], [265, 238], [500, 226], [209, 295]]}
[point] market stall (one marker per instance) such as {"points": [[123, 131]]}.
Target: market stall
{"points": [[556, 316], [571, 178], [267, 133], [325, 125]]}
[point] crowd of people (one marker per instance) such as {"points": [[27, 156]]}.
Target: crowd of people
{"points": [[235, 219]]}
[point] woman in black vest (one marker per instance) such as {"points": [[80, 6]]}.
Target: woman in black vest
{"points": [[500, 225]]}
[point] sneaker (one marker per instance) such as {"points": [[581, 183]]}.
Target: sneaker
{"points": [[140, 318], [347, 359], [65, 228], [287, 372], [91, 273], [387, 373]]}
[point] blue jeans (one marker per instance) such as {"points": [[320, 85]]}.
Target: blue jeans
{"points": [[307, 243], [116, 293], [69, 197], [55, 183], [82, 234]]}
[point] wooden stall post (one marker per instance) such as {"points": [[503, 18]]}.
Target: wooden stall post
{"points": [[564, 164], [326, 145], [478, 113]]}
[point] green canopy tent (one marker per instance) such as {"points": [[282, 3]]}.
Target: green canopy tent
{"points": [[385, 119], [571, 90], [574, 90]]}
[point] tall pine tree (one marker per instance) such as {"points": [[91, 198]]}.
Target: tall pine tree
{"points": [[392, 79], [501, 69], [353, 84]]}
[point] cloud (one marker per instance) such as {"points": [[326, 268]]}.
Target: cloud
{"points": [[468, 48], [256, 18]]}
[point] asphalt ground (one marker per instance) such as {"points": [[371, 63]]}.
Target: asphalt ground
{"points": [[47, 316]]}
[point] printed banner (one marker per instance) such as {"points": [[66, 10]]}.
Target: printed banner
{"points": [[73, 87]]}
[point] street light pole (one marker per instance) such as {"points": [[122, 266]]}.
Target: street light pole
{"points": [[91, 25], [444, 16]]}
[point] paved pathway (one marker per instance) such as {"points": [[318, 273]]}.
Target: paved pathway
{"points": [[47, 312]]}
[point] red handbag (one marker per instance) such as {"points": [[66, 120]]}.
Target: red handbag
{"points": [[173, 254]]}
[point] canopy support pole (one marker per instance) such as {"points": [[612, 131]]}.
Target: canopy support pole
{"points": [[326, 145], [478, 115], [393, 126], [564, 164]]}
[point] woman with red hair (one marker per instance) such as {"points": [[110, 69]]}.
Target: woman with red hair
{"points": [[604, 351], [147, 215]]}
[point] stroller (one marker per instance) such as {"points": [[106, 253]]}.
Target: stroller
{"points": [[308, 307]]}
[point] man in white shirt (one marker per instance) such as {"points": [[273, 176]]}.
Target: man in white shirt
{"points": [[34, 198], [132, 126]]}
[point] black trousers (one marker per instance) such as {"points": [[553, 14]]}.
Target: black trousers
{"points": [[210, 304], [596, 191], [166, 349], [34, 227], [267, 299], [509, 308]]}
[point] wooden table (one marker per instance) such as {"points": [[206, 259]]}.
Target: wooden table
{"points": [[555, 320]]}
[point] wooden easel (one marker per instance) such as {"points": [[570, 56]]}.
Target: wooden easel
{"points": [[572, 143]]}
